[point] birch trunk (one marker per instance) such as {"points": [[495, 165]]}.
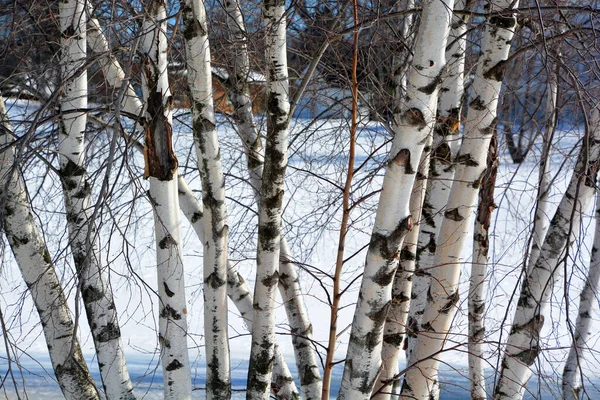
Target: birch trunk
{"points": [[161, 167], [542, 221], [523, 344], [271, 200], [35, 263], [477, 282], [289, 285], [471, 162], [572, 373], [282, 383], [237, 289], [412, 125], [395, 323], [215, 255], [93, 277], [441, 171]]}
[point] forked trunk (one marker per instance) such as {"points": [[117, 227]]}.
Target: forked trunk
{"points": [[35, 264], [237, 289], [395, 323], [421, 381], [441, 171], [289, 285], [93, 277], [215, 255], [161, 169], [523, 345], [412, 125]]}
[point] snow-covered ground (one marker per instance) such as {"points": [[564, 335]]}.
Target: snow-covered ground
{"points": [[317, 164]]}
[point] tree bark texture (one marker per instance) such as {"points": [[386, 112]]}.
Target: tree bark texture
{"points": [[441, 171], [215, 255], [412, 126], [477, 281], [271, 202], [523, 344], [93, 277], [161, 169], [454, 232], [37, 269]]}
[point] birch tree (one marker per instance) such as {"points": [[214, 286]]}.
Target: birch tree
{"points": [[37, 269], [160, 169], [441, 171], [215, 255], [523, 343], [237, 289], [271, 201], [471, 163], [289, 283], [572, 386], [479, 267], [412, 125], [95, 292]]}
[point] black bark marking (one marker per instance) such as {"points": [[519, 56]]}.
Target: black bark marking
{"points": [[169, 312], [215, 281], [503, 22], [167, 241], [454, 215], [173, 365], [415, 117], [452, 301], [496, 73], [403, 159], [467, 159], [167, 290], [109, 332], [387, 245]]}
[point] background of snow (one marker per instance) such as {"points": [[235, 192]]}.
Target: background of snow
{"points": [[317, 163]]}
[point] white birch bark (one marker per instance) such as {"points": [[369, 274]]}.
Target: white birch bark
{"points": [[215, 255], [35, 264], [584, 329], [477, 281], [289, 285], [523, 344], [161, 167], [271, 199], [441, 170], [93, 277], [282, 382], [542, 220], [395, 323], [393, 220], [421, 381], [113, 72]]}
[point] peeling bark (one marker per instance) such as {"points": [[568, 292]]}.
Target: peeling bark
{"points": [[161, 165]]}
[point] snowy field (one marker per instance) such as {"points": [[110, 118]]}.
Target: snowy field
{"points": [[317, 163]]}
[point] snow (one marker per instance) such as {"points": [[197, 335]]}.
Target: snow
{"points": [[312, 202]]}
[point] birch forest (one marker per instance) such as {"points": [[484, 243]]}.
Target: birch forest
{"points": [[301, 199]]}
